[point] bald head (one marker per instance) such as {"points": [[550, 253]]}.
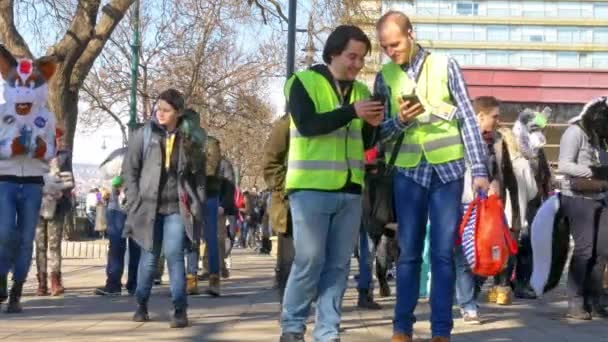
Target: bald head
{"points": [[396, 18]]}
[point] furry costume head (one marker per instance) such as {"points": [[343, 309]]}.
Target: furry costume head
{"points": [[528, 130], [25, 81], [594, 121], [26, 125]]}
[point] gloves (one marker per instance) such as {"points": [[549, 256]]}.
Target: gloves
{"points": [[588, 184], [600, 172]]}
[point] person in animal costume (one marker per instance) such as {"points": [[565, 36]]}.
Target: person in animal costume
{"points": [[583, 161], [27, 143]]}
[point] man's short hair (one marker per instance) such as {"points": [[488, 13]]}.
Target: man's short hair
{"points": [[399, 18], [485, 104], [339, 38]]}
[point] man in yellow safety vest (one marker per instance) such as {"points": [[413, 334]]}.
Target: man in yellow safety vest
{"points": [[331, 123], [431, 126]]}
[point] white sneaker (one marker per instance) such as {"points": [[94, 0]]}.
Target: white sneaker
{"points": [[471, 318]]}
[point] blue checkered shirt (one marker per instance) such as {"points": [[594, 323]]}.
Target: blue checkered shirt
{"points": [[475, 149]]}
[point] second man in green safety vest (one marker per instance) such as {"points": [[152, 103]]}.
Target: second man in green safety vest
{"points": [[331, 123], [430, 114]]}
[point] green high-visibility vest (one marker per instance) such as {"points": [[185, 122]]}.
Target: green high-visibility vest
{"points": [[324, 162], [437, 139]]}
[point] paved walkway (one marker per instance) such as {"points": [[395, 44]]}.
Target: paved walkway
{"points": [[248, 311]]}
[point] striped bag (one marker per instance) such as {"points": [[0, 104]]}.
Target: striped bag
{"points": [[485, 237]]}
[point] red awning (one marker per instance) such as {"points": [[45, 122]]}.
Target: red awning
{"points": [[537, 85]]}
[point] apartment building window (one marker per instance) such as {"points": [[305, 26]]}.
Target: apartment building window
{"points": [[568, 35], [467, 8], [445, 32], [586, 10], [533, 9], [533, 34], [427, 7], [498, 8], [479, 58], [532, 59], [498, 58], [515, 8], [600, 35], [568, 9], [600, 11], [480, 33], [426, 32], [600, 61], [498, 33], [462, 32], [567, 60]]}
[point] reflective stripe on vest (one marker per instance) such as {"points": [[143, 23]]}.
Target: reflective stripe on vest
{"points": [[325, 162], [437, 139]]}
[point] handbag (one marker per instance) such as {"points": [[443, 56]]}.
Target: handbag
{"points": [[378, 194]]}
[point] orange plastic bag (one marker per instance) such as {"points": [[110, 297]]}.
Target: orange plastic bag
{"points": [[485, 237]]}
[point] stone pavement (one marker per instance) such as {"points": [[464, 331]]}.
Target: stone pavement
{"points": [[248, 311]]}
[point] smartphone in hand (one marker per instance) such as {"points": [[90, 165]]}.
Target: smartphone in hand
{"points": [[412, 98], [378, 98]]}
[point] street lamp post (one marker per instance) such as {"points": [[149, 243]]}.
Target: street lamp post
{"points": [[291, 37], [134, 68]]}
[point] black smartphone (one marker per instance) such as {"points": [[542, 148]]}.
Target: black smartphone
{"points": [[412, 98], [379, 98]]}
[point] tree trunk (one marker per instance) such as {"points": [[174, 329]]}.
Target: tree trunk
{"points": [[63, 101]]}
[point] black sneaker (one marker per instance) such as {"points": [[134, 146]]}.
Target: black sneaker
{"points": [[366, 301], [524, 292], [179, 319], [292, 337], [107, 291], [141, 314]]}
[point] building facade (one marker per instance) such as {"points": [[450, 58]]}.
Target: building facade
{"points": [[513, 33]]}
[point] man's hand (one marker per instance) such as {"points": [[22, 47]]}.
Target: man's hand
{"points": [[494, 188], [370, 111], [220, 211], [481, 184], [409, 111]]}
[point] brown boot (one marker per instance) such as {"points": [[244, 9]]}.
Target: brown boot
{"points": [[440, 339], [57, 288], [191, 284], [43, 289], [214, 285], [401, 338]]}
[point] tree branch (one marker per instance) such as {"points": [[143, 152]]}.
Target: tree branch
{"points": [[9, 34]]}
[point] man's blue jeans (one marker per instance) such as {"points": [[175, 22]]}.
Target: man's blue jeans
{"points": [[325, 226], [367, 252], [116, 253], [19, 213], [170, 235], [415, 204], [211, 240]]}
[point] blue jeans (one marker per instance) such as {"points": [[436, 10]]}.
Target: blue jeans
{"points": [[210, 236], [366, 260], [325, 226], [116, 253], [19, 213], [415, 204], [170, 235]]}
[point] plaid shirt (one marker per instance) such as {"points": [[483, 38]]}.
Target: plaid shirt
{"points": [[476, 150]]}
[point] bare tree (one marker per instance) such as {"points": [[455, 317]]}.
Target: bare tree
{"points": [[88, 26]]}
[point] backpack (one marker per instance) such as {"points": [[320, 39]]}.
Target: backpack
{"points": [[485, 236]]}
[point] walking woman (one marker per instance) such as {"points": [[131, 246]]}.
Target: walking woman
{"points": [[584, 161], [164, 173]]}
